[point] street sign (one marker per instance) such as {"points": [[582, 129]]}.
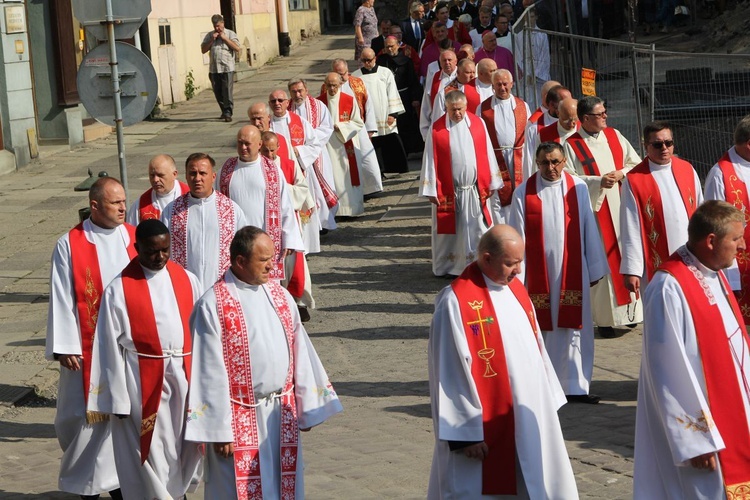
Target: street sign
{"points": [[138, 84], [128, 15]]}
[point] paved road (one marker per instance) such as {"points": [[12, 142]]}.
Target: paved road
{"points": [[374, 291]]}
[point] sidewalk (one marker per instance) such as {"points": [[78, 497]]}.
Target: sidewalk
{"points": [[374, 291]]}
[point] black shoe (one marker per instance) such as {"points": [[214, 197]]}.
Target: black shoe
{"points": [[607, 332], [588, 399], [227, 119], [323, 231], [304, 314], [632, 325]]}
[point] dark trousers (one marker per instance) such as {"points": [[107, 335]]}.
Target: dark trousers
{"points": [[223, 84]]}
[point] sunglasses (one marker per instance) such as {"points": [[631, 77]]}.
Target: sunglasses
{"points": [[661, 144], [546, 163]]}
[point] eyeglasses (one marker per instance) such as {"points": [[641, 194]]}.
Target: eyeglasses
{"points": [[367, 60], [391, 46], [547, 163], [661, 144], [276, 100], [598, 115]]}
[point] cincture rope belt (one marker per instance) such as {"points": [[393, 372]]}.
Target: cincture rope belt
{"points": [[167, 353], [265, 399]]}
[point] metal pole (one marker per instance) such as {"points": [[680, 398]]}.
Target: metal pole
{"points": [[532, 80], [110, 21], [639, 120], [652, 87]]}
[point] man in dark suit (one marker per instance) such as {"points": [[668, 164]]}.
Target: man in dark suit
{"points": [[430, 7], [463, 7], [378, 42], [413, 26]]}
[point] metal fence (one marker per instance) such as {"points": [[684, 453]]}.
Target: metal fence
{"points": [[702, 96]]}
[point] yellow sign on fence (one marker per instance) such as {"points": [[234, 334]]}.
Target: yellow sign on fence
{"points": [[588, 81]]}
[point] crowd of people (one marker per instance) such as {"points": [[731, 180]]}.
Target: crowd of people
{"points": [[178, 321]]}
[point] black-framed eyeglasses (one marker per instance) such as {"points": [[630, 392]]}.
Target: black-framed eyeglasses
{"points": [[367, 60], [276, 100], [547, 163], [598, 115], [661, 144]]}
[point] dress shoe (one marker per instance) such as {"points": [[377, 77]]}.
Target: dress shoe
{"points": [[607, 332], [632, 325], [588, 399], [304, 314], [227, 119]]}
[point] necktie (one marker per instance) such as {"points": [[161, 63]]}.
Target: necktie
{"points": [[417, 33]]}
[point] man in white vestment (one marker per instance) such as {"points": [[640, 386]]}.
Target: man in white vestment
{"points": [[202, 223], [459, 175], [729, 180], [432, 108], [537, 54], [563, 259], [493, 389], [83, 263], [141, 368], [165, 188], [343, 147], [692, 430], [541, 116], [557, 131], [601, 156], [278, 384], [658, 197], [485, 68], [316, 114], [555, 96]]}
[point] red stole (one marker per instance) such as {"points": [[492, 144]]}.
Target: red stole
{"points": [[488, 115], [570, 307], [346, 109], [723, 390], [473, 99], [147, 209], [446, 192], [360, 93], [537, 117], [550, 133], [435, 86], [88, 287], [651, 211], [272, 208], [284, 150], [604, 215], [296, 284], [146, 338], [490, 373], [296, 130], [237, 359]]}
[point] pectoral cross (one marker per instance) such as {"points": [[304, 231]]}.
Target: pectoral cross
{"points": [[486, 353]]}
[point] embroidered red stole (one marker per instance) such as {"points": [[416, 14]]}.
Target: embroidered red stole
{"points": [[446, 192], [346, 108], [723, 390], [490, 373], [604, 215], [651, 211], [146, 338], [296, 130], [147, 209], [360, 93], [296, 284], [272, 208], [735, 192], [570, 307], [237, 359], [488, 115], [88, 288], [178, 227]]}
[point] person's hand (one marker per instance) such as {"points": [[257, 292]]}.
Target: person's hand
{"points": [[370, 134], [477, 451], [70, 361], [224, 449], [360, 40], [633, 283], [609, 180], [704, 462], [433, 200], [216, 34], [391, 119]]}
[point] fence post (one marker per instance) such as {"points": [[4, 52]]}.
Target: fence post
{"points": [[652, 86], [639, 121]]}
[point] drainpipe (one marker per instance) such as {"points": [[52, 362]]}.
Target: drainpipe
{"points": [[281, 19]]}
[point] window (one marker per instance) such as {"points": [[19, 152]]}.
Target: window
{"points": [[299, 4], [165, 34]]}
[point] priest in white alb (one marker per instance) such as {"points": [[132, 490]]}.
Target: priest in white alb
{"points": [[165, 188], [202, 223], [432, 108], [564, 258], [141, 369], [493, 391], [692, 426], [558, 131], [459, 175], [257, 380]]}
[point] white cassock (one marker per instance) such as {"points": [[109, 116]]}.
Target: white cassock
{"points": [[248, 189], [671, 387], [115, 379], [571, 350], [543, 468], [382, 90], [604, 305], [539, 51], [451, 253], [306, 156], [673, 211], [87, 466], [369, 169], [484, 89], [211, 417], [351, 198], [161, 201], [432, 109], [323, 130], [715, 191], [203, 236]]}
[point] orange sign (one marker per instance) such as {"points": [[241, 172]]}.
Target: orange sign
{"points": [[588, 81]]}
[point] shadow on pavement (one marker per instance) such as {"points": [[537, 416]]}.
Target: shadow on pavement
{"points": [[382, 389], [385, 333], [418, 410], [10, 495], [15, 431]]}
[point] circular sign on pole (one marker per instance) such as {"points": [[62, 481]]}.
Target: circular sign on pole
{"points": [[128, 14], [138, 84]]}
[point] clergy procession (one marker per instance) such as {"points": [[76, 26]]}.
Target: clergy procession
{"points": [[178, 322]]}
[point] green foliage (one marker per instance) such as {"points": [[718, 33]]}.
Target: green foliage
{"points": [[190, 87]]}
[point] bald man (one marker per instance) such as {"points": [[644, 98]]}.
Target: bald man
{"points": [[540, 117], [165, 188], [485, 68], [559, 131], [483, 446], [432, 108], [502, 56]]}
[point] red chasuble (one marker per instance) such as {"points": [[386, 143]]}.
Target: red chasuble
{"points": [[723, 390], [147, 209], [651, 211], [446, 192], [88, 287], [488, 115], [146, 338], [346, 109], [604, 215], [735, 192], [570, 307], [490, 374]]}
